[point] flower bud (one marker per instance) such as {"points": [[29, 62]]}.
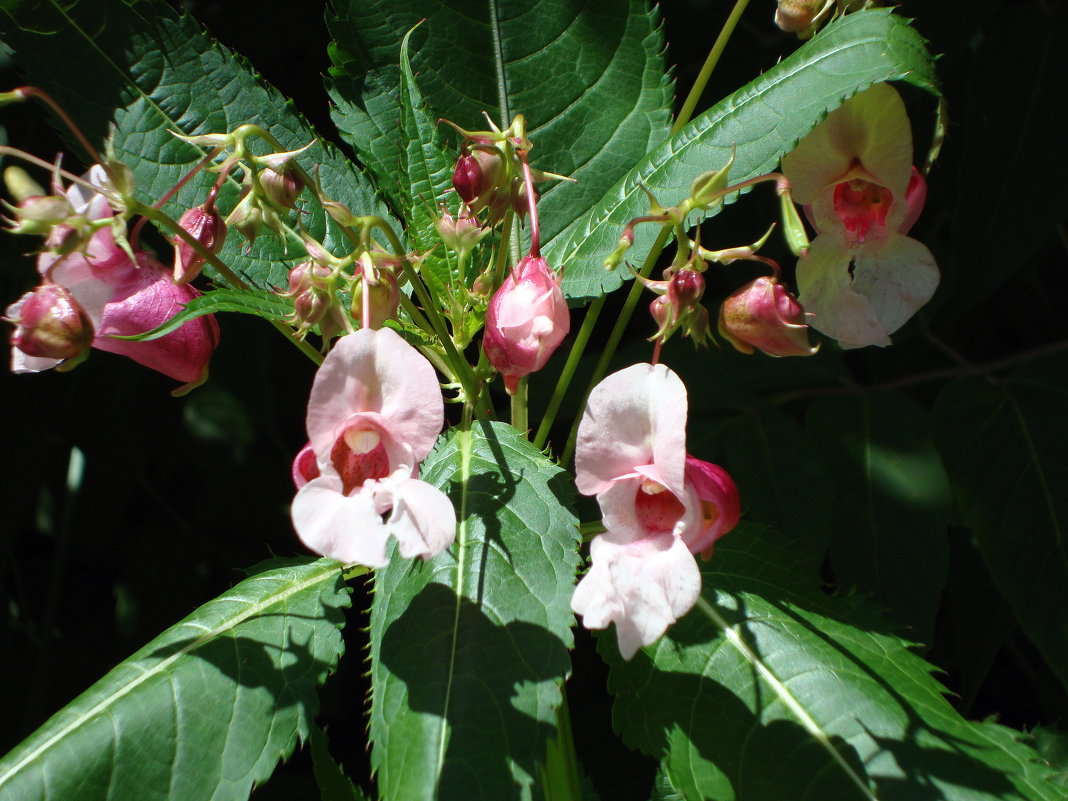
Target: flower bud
{"points": [[383, 299], [460, 234], [685, 290], [794, 16], [50, 324], [763, 315], [526, 320], [706, 190], [476, 180], [282, 187], [467, 178], [207, 228], [311, 286]]}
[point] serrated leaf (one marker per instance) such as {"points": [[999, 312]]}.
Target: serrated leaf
{"points": [[770, 689], [334, 785], [1003, 445], [268, 305], [468, 649], [425, 179], [204, 711], [892, 503], [760, 123], [143, 68], [590, 79]]}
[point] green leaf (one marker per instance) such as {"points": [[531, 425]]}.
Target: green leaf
{"points": [[426, 176], [1052, 745], [268, 305], [760, 122], [892, 503], [334, 785], [145, 69], [770, 689], [589, 77], [468, 649], [1003, 445], [204, 711]]}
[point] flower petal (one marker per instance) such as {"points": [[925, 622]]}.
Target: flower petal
{"points": [[423, 519], [643, 587], [376, 371], [897, 276], [826, 291], [348, 529], [871, 127], [634, 417]]}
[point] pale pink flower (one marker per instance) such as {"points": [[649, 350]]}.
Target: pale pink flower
{"points": [[862, 278], [526, 320], [122, 298], [374, 414], [659, 506]]}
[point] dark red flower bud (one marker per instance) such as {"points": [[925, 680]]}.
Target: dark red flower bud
{"points": [[467, 178], [207, 228]]}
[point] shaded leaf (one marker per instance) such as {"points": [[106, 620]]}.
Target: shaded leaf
{"points": [[770, 689], [204, 711], [760, 122], [145, 69], [1003, 447], [334, 785], [468, 649], [892, 503]]}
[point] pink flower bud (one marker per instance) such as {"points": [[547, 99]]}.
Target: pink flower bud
{"points": [[467, 178], [383, 300], [282, 187], [314, 301], [763, 315], [526, 320], [207, 228], [685, 290], [50, 324]]}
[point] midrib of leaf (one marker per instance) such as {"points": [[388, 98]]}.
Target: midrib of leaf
{"points": [[784, 694], [498, 63], [290, 589], [1047, 495], [466, 437], [133, 85]]}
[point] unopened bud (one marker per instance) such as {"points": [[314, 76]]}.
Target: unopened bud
{"points": [[20, 184], [526, 320], [459, 234], [282, 187], [686, 288], [792, 227], [763, 315], [467, 178], [383, 299], [312, 287], [50, 324], [795, 16], [207, 228]]}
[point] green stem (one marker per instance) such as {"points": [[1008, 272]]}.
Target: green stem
{"points": [[636, 288], [570, 366], [714, 54], [560, 776], [519, 407]]}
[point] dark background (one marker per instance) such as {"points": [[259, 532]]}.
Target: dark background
{"points": [[175, 495]]}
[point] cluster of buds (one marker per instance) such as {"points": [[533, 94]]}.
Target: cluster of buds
{"points": [[490, 173], [271, 183], [677, 305]]}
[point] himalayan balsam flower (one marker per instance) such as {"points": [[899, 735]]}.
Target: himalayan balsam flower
{"points": [[526, 320], [659, 506], [374, 413], [121, 298], [862, 278]]}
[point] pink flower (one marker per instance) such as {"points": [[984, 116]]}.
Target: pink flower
{"points": [[659, 505], [374, 413], [862, 278], [123, 298], [526, 321]]}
